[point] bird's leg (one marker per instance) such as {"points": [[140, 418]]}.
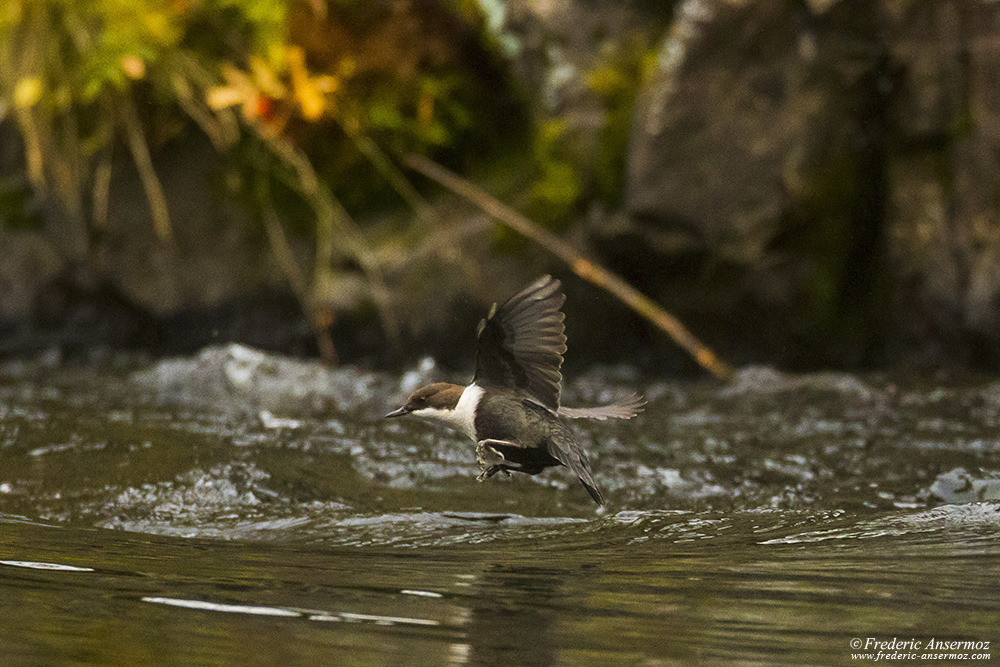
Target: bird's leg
{"points": [[489, 472], [491, 460]]}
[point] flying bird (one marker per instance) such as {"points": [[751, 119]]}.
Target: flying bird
{"points": [[511, 409]]}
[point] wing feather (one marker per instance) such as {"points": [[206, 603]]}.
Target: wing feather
{"points": [[624, 409], [521, 343]]}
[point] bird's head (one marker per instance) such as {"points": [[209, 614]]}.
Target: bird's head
{"points": [[433, 400]]}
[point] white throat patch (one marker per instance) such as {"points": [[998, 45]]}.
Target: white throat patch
{"points": [[463, 417]]}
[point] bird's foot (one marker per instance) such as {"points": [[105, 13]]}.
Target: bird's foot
{"points": [[489, 472], [490, 460]]}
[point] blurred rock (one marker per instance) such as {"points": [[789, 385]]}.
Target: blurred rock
{"points": [[941, 215], [835, 165], [723, 130], [753, 175], [28, 268], [218, 256], [128, 288]]}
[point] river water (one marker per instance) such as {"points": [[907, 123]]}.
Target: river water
{"points": [[240, 507]]}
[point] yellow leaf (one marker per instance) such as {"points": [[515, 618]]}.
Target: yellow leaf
{"points": [[220, 97], [310, 100], [27, 92], [237, 78], [296, 59], [326, 83], [307, 93], [133, 66], [265, 78]]}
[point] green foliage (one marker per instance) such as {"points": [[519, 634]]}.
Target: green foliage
{"points": [[309, 101], [234, 29], [548, 185], [70, 70], [565, 165], [618, 82], [420, 115], [81, 49], [73, 72], [557, 187]]}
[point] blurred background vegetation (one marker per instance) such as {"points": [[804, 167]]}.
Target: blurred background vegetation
{"points": [[310, 105], [174, 172], [309, 102]]}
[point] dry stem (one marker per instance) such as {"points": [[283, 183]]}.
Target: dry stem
{"points": [[583, 267]]}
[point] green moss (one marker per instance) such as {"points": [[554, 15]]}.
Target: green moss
{"points": [[834, 233], [618, 82], [539, 175], [556, 187], [827, 203]]}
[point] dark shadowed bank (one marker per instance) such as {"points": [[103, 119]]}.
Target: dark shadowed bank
{"points": [[805, 183]]}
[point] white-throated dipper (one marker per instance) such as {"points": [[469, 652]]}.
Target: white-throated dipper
{"points": [[511, 408]]}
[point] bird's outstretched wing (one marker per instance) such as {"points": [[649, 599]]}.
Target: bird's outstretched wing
{"points": [[521, 343], [624, 409]]}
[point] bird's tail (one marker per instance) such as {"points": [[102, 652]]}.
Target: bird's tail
{"points": [[565, 448], [588, 483]]}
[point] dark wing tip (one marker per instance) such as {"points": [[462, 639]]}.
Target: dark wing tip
{"points": [[594, 492], [563, 447]]}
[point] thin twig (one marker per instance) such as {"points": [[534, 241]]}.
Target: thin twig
{"points": [[33, 152], [388, 170], [221, 125], [581, 266], [144, 164], [102, 170], [296, 279], [102, 191], [332, 217]]}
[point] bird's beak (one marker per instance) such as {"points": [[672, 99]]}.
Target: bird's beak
{"points": [[398, 413]]}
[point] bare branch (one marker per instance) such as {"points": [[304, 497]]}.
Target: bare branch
{"points": [[581, 266], [144, 164]]}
